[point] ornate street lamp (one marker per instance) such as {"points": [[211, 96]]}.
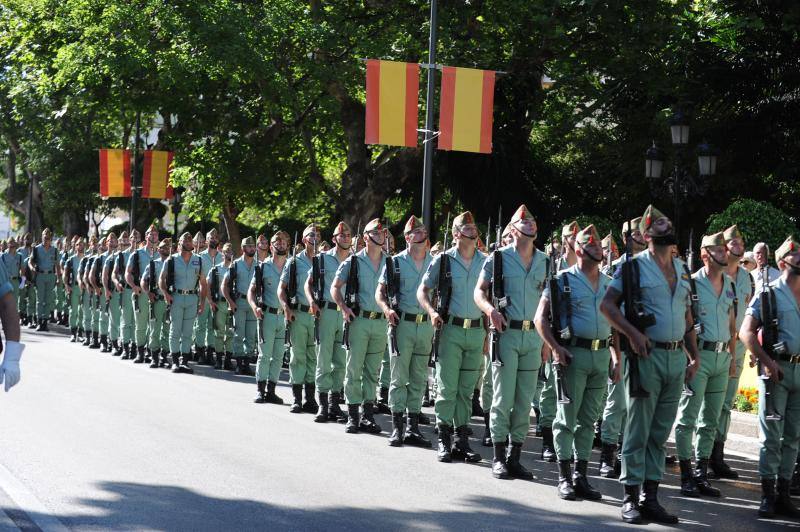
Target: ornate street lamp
{"points": [[177, 205]]}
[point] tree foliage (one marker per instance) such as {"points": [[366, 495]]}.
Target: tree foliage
{"points": [[757, 220]]}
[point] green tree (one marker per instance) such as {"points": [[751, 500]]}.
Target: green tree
{"points": [[758, 221]]}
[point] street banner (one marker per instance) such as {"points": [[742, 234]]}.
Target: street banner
{"points": [[155, 175], [392, 103], [115, 173], [465, 111]]}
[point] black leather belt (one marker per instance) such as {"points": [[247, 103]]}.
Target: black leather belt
{"points": [[15, 278], [417, 318], [669, 346], [43, 271], [330, 306], [466, 323], [717, 347], [788, 357], [186, 292], [303, 308], [521, 325], [270, 310], [369, 315], [593, 344]]}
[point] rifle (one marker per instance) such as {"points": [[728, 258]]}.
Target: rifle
{"points": [[442, 294], [317, 286], [697, 325], [392, 289], [291, 292], [259, 286], [634, 313], [560, 334], [351, 290], [151, 287], [135, 272], [497, 291], [770, 343]]}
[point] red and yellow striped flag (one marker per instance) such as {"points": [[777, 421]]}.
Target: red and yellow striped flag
{"points": [[465, 113], [115, 173], [155, 178], [392, 103]]}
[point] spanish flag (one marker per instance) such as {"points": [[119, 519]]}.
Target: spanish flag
{"points": [[115, 173], [155, 178], [392, 103], [465, 112]]}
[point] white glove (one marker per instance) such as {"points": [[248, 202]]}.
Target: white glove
{"points": [[9, 369]]}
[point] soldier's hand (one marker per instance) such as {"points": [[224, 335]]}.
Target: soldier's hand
{"points": [[137, 290], [732, 369], [691, 369], [640, 344], [561, 356], [108, 294], [753, 359], [392, 317], [259, 313], [772, 369], [616, 373], [151, 296], [168, 298], [498, 320], [232, 307], [436, 320], [200, 308], [348, 314], [313, 309], [289, 314]]}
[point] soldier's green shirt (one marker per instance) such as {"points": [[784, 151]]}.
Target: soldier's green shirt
{"points": [[158, 265], [301, 274], [410, 279], [222, 271], [187, 272], [207, 261], [464, 278], [744, 292], [13, 264], [5, 283], [243, 276], [143, 257], [46, 259], [74, 263], [271, 279], [713, 311], [523, 285], [669, 308], [331, 263], [120, 262], [584, 302], [788, 314], [368, 276]]}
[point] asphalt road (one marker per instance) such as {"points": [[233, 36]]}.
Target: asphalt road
{"points": [[91, 442]]}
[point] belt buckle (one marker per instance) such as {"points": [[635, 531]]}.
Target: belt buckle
{"points": [[419, 318], [795, 359], [673, 345], [467, 323], [373, 315], [526, 325], [596, 344], [720, 347]]}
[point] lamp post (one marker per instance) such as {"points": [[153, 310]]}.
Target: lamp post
{"points": [[681, 183], [177, 196]]}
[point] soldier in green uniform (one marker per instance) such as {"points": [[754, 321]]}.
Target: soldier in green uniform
{"points": [[519, 348], [27, 293], [779, 438], [615, 411], [88, 290], [13, 261], [584, 354], [296, 308], [106, 312], [71, 285], [367, 331], [44, 262], [269, 312], [155, 305], [234, 288], [331, 356], [137, 261], [113, 264], [57, 314], [664, 294], [185, 291], [127, 321], [220, 343], [413, 334], [742, 287], [462, 338], [204, 327]]}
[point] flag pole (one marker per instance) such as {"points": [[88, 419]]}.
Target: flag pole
{"points": [[427, 164], [134, 188]]}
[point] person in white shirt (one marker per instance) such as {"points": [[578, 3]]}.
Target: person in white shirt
{"points": [[761, 254]]}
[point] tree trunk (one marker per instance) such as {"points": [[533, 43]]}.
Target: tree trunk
{"points": [[229, 215], [74, 223]]}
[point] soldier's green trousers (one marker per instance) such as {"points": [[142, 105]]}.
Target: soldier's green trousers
{"points": [[698, 415], [201, 328], [547, 397], [28, 299], [60, 298], [385, 378], [159, 327], [15, 290], [331, 356], [586, 378], [87, 302], [650, 418], [460, 353], [614, 414], [244, 333], [270, 353], [730, 394], [514, 384], [487, 389], [115, 312], [75, 308], [409, 370], [367, 344], [303, 355], [127, 322], [45, 294], [104, 319], [97, 304], [223, 334], [779, 439], [141, 318], [182, 315]]}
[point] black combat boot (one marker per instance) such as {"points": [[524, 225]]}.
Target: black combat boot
{"points": [[148, 355], [166, 360], [334, 410], [126, 351], [156, 356], [239, 366], [443, 453], [74, 337], [87, 339], [220, 359], [310, 405], [104, 342], [95, 341], [246, 369], [297, 404], [767, 507], [182, 363], [322, 410], [515, 468], [608, 454], [368, 423], [794, 489], [383, 402], [630, 505], [423, 419], [688, 486], [353, 419], [548, 449], [210, 357], [42, 325], [537, 428], [227, 362], [499, 467], [580, 481], [139, 355], [783, 502], [701, 479], [719, 469], [81, 334], [271, 396], [487, 433], [597, 442], [461, 449], [651, 509], [261, 397], [565, 488], [398, 430], [413, 436], [117, 348], [34, 322], [197, 353], [176, 362], [477, 411]]}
